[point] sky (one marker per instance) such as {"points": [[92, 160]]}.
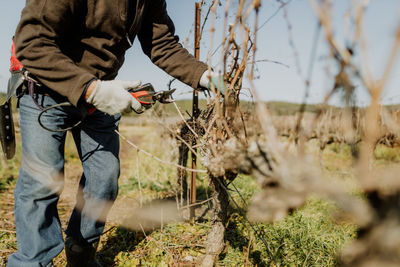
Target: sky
{"points": [[275, 82]]}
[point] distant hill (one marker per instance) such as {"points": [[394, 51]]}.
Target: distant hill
{"points": [[275, 107], [288, 108]]}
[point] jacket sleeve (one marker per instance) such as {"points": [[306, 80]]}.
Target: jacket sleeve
{"points": [[43, 26], [161, 45]]}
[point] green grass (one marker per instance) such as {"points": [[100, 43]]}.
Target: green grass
{"points": [[7, 241], [164, 247], [308, 237]]}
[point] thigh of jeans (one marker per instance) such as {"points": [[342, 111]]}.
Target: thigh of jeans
{"points": [[98, 146], [42, 150]]}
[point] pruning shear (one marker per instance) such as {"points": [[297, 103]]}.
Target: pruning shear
{"points": [[147, 96]]}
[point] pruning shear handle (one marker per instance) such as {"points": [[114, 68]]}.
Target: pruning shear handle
{"points": [[147, 96]]}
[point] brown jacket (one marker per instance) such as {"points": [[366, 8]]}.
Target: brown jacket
{"points": [[67, 43]]}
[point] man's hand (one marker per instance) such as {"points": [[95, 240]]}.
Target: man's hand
{"points": [[209, 79], [112, 97]]}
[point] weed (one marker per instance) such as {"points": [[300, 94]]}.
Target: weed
{"points": [[387, 153]]}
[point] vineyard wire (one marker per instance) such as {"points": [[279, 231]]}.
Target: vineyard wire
{"points": [[156, 158]]}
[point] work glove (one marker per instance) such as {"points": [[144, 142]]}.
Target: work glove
{"points": [[211, 78], [112, 97]]}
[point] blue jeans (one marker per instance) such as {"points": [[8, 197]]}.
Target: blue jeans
{"points": [[41, 179]]}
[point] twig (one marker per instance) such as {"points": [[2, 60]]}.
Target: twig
{"points": [[196, 204], [272, 61], [183, 119], [205, 20], [144, 232], [185, 246], [257, 4], [283, 4], [109, 230], [344, 53], [138, 178]]}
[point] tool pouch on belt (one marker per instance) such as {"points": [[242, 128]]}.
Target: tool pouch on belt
{"points": [[7, 132]]}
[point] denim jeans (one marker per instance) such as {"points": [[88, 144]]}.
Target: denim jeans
{"points": [[41, 179]]}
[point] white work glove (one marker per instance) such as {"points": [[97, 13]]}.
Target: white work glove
{"points": [[215, 79], [112, 97]]}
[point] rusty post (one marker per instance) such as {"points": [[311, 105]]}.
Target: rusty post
{"points": [[195, 111]]}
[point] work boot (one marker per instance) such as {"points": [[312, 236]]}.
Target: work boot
{"points": [[80, 254]]}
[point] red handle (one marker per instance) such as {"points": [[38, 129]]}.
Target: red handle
{"points": [[143, 97], [15, 64]]}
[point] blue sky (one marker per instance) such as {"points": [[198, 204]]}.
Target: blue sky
{"points": [[276, 82]]}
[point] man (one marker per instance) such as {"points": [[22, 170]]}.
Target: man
{"points": [[74, 48]]}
